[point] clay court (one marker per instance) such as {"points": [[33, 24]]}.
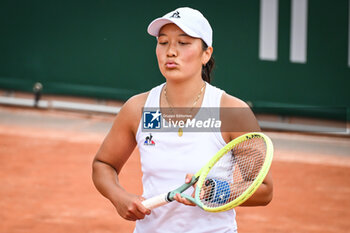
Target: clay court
{"points": [[46, 185]]}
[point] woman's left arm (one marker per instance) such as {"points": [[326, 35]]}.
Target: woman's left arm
{"points": [[238, 119]]}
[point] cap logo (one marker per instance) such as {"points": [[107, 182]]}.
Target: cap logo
{"points": [[176, 15]]}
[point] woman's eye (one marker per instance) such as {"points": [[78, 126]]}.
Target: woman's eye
{"points": [[183, 43], [162, 43]]}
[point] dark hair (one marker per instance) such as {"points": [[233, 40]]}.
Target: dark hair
{"points": [[207, 68]]}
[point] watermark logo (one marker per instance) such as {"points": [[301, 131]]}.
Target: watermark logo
{"points": [[214, 119], [152, 119], [187, 119]]}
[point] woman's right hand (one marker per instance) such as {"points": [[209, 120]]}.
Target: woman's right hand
{"points": [[129, 207]]}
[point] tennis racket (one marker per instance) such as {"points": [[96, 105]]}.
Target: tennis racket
{"points": [[229, 178]]}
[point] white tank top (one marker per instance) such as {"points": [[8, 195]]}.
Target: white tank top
{"points": [[165, 161]]}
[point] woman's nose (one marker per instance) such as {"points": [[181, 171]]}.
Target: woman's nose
{"points": [[172, 52]]}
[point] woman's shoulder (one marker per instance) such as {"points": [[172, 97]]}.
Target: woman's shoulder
{"points": [[236, 117], [131, 112], [229, 101], [135, 104], [139, 99]]}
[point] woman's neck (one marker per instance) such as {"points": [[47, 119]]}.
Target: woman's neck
{"points": [[187, 93]]}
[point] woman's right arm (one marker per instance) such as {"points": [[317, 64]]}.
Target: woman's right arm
{"points": [[113, 154]]}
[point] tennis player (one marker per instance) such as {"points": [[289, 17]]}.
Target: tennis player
{"points": [[184, 53]]}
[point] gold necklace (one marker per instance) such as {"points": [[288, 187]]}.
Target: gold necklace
{"points": [[180, 131]]}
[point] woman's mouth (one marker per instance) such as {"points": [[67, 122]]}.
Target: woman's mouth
{"points": [[171, 65]]}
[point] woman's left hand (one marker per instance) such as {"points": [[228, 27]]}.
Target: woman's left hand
{"points": [[182, 199]]}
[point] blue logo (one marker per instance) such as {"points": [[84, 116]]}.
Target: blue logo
{"points": [[152, 119]]}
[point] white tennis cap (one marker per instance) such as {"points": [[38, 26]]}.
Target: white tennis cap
{"points": [[191, 21]]}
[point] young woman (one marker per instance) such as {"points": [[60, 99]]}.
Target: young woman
{"points": [[184, 53]]}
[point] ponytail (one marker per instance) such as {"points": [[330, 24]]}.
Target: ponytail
{"points": [[207, 68]]}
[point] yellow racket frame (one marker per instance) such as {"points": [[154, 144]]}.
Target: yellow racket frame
{"points": [[202, 174]]}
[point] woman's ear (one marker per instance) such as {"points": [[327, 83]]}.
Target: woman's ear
{"points": [[207, 55]]}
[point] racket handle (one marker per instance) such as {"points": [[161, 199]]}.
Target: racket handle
{"points": [[156, 201]]}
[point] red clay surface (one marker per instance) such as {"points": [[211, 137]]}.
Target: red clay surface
{"points": [[46, 186]]}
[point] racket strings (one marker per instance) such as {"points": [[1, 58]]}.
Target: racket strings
{"points": [[233, 173]]}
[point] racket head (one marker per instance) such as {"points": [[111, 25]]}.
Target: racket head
{"points": [[234, 173]]}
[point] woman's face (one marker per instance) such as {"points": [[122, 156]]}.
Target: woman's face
{"points": [[179, 55]]}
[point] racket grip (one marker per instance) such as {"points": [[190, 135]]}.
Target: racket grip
{"points": [[156, 201]]}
